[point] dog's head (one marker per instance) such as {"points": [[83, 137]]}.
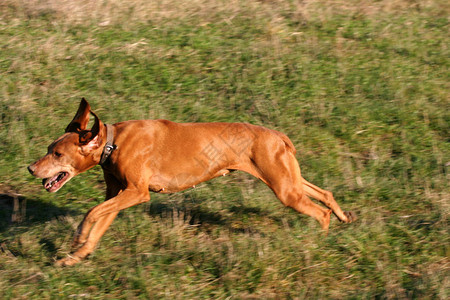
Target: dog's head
{"points": [[72, 153]]}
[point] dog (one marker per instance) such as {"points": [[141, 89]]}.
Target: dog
{"points": [[166, 157]]}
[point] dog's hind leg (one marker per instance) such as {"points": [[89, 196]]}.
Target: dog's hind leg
{"points": [[280, 171], [298, 200], [326, 197]]}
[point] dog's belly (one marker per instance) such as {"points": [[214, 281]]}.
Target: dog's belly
{"points": [[181, 181]]}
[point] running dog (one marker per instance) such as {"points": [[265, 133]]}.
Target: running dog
{"points": [[166, 157]]}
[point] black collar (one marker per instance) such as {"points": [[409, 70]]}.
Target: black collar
{"points": [[109, 147]]}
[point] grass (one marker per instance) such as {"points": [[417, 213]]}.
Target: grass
{"points": [[360, 87]]}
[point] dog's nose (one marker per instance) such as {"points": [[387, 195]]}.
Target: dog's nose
{"points": [[31, 169]]}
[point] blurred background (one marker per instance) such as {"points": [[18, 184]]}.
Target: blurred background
{"points": [[361, 88]]}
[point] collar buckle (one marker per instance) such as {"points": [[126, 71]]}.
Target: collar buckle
{"points": [[109, 147]]}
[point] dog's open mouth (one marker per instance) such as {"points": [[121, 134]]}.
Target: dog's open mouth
{"points": [[54, 183]]}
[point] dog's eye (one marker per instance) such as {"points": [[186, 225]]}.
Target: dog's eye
{"points": [[57, 154]]}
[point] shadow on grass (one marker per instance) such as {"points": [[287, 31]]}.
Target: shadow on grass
{"points": [[16, 209], [190, 214], [194, 213]]}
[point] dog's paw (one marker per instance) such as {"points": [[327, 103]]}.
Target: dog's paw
{"points": [[351, 216], [70, 260]]}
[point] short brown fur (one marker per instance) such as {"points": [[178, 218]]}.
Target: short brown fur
{"points": [[167, 157]]}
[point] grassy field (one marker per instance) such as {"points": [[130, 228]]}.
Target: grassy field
{"points": [[360, 87]]}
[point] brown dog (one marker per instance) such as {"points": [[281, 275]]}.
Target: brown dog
{"points": [[167, 157]]}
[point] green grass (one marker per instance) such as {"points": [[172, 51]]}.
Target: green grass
{"points": [[360, 87]]}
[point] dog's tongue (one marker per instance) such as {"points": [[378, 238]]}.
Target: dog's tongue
{"points": [[49, 182]]}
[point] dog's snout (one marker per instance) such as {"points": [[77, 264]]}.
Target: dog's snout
{"points": [[31, 169]]}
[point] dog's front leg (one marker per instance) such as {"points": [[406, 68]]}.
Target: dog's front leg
{"points": [[102, 216], [128, 198], [88, 245], [113, 188]]}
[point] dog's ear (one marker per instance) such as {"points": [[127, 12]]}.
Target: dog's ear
{"points": [[81, 119], [93, 138], [90, 146]]}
